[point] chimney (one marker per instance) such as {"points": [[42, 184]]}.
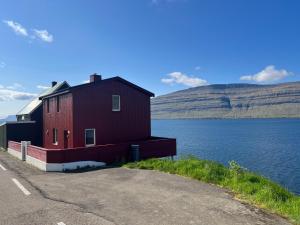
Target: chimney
{"points": [[54, 83], [95, 78]]}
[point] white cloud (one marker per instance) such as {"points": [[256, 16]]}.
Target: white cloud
{"points": [[267, 75], [181, 78], [43, 35], [15, 86], [9, 95], [86, 81], [198, 68], [42, 87], [2, 65], [16, 27], [246, 77]]}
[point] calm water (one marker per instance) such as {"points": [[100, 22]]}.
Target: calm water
{"points": [[270, 147]]}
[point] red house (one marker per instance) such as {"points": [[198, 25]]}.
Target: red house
{"points": [[103, 121], [100, 112]]}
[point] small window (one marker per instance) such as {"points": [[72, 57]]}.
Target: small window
{"points": [[57, 104], [23, 117], [116, 106], [90, 138], [47, 105], [55, 142]]}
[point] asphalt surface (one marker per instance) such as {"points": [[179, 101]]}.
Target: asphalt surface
{"points": [[116, 196]]}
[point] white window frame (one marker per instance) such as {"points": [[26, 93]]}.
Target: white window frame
{"points": [[88, 145], [119, 108], [55, 136]]}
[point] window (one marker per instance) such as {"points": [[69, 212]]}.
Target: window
{"points": [[57, 104], [55, 142], [47, 105], [23, 117], [90, 138], [116, 106]]}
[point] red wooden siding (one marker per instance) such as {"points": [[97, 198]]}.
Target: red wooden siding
{"points": [[93, 109], [14, 145], [37, 152], [111, 153], [62, 120], [151, 148]]}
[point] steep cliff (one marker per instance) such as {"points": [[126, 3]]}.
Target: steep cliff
{"points": [[230, 101]]}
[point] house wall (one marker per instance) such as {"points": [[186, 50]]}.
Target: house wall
{"points": [[23, 132], [3, 138], [36, 131], [62, 120], [20, 131], [37, 116], [21, 118], [93, 109]]}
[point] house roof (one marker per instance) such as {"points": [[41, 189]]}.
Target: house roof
{"points": [[119, 79], [16, 122], [35, 103]]}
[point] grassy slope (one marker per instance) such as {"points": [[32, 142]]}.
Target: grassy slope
{"points": [[246, 185]]}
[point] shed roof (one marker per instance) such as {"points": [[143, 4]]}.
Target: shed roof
{"points": [[36, 102]]}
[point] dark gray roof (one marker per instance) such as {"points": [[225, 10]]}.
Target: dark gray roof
{"points": [[119, 79], [35, 103], [16, 122]]}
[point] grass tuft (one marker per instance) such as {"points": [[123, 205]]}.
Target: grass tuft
{"points": [[250, 187]]}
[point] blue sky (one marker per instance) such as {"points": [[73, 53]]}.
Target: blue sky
{"points": [[161, 45]]}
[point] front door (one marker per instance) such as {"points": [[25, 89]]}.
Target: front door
{"points": [[66, 138]]}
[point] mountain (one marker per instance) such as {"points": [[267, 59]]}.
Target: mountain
{"points": [[8, 118], [230, 101]]}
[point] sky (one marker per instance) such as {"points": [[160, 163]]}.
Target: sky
{"points": [[161, 45]]}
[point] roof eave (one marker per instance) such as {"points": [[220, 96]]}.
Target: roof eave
{"points": [[32, 111], [54, 94], [150, 94]]}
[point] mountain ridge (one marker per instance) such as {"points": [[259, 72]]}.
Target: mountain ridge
{"points": [[240, 100]]}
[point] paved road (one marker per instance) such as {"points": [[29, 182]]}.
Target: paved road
{"points": [[116, 197]]}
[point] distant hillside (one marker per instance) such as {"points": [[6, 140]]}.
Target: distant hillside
{"points": [[230, 101]]}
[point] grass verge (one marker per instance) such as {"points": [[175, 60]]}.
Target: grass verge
{"points": [[246, 185]]}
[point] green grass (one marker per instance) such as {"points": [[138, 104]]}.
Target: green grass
{"points": [[246, 185]]}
